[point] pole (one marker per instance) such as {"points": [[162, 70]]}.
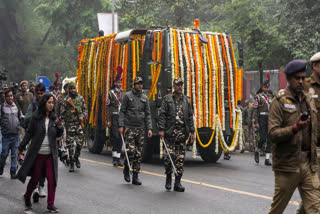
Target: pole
{"points": [[126, 154], [165, 146], [113, 16]]}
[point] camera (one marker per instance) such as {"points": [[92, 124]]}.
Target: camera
{"points": [[304, 116]]}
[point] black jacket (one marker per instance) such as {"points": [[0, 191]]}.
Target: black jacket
{"points": [[167, 114], [36, 133], [135, 111]]}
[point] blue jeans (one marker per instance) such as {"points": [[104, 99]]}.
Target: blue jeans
{"points": [[10, 144]]}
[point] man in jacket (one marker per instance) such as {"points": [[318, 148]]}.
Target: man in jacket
{"points": [[9, 121], [135, 117], [294, 136], [24, 98], [113, 107], [73, 116], [175, 124], [260, 116]]}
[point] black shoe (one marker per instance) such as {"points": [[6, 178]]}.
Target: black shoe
{"points": [[71, 167], [78, 165], [267, 162], [177, 185], [168, 182], [119, 162], [13, 175], [36, 196], [256, 156], [114, 161], [27, 202], [52, 209], [135, 179], [1, 170], [242, 151], [126, 174], [227, 156]]}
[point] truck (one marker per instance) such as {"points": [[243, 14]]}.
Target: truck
{"points": [[205, 61]]}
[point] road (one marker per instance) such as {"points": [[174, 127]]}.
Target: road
{"points": [[233, 186]]}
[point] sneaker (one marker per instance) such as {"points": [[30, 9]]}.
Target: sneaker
{"points": [[42, 193], [52, 209], [36, 196], [27, 202]]}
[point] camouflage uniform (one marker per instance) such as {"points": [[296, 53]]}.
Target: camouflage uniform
{"points": [[135, 116], [75, 135], [113, 108]]}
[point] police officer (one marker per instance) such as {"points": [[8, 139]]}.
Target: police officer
{"points": [[73, 116], [293, 132], [24, 98], [175, 124], [135, 117], [260, 117], [312, 87], [113, 107]]}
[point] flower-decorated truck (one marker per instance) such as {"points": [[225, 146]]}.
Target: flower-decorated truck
{"points": [[204, 60]]}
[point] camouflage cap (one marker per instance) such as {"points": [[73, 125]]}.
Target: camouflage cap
{"points": [[137, 80], [72, 85], [177, 80]]}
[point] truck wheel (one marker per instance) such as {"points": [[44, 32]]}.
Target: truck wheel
{"points": [[96, 140], [208, 154], [148, 148]]}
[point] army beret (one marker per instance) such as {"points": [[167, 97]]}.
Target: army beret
{"points": [[295, 66], [177, 80], [315, 58], [72, 85], [137, 80]]}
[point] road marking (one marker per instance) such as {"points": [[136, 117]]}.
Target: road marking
{"points": [[198, 183]]}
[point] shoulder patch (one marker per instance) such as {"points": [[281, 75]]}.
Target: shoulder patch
{"points": [[281, 93]]}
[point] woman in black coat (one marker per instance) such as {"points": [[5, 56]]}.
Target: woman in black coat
{"points": [[42, 153]]}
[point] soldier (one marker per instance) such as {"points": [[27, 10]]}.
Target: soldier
{"points": [[293, 132], [312, 86], [260, 117], [175, 124], [247, 126], [135, 116], [24, 98], [32, 88], [113, 107], [73, 115]]}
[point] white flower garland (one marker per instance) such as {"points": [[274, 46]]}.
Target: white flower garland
{"points": [[123, 56], [214, 69], [172, 57], [108, 69], [95, 68], [221, 83], [187, 63], [231, 81], [199, 83], [180, 56], [206, 103]]}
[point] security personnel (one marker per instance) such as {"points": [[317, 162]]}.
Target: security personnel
{"points": [[175, 124], [113, 108], [312, 87], [293, 133], [24, 98], [135, 117], [260, 117], [72, 118], [247, 126]]}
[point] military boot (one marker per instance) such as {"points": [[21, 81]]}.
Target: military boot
{"points": [[135, 179], [119, 162], [76, 157], [177, 185], [256, 156], [114, 161], [71, 166], [267, 162], [168, 182], [126, 174], [77, 161]]}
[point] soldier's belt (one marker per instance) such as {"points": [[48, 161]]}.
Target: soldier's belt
{"points": [[264, 113]]}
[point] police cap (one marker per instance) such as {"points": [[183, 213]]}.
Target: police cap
{"points": [[23, 82], [177, 80], [295, 66], [315, 58], [137, 80]]}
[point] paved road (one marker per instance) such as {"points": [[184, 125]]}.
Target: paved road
{"points": [[229, 187]]}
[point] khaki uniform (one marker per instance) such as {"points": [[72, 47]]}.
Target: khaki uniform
{"points": [[294, 155], [23, 100]]}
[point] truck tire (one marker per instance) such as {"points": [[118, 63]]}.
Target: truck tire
{"points": [[96, 140], [208, 154], [148, 147]]}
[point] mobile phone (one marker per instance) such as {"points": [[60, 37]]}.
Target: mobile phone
{"points": [[304, 116]]}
